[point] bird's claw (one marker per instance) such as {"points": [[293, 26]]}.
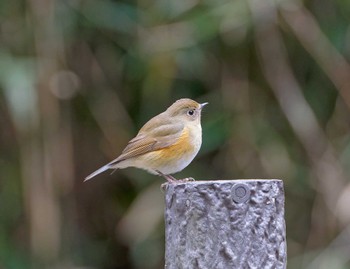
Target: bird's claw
{"points": [[164, 186]]}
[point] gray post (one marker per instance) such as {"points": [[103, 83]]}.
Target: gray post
{"points": [[225, 224]]}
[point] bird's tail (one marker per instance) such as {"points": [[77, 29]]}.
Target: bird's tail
{"points": [[99, 171]]}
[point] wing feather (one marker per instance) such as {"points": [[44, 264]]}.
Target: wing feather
{"points": [[151, 139]]}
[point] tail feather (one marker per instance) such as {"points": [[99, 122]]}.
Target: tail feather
{"points": [[99, 171]]}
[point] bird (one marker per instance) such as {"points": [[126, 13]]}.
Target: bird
{"points": [[166, 144]]}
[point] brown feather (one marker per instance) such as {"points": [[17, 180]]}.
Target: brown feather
{"points": [[155, 139]]}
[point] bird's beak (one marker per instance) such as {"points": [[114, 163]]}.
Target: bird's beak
{"points": [[204, 104]]}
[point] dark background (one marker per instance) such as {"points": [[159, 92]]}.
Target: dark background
{"points": [[79, 78]]}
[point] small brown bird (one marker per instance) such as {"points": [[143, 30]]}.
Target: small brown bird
{"points": [[166, 144]]}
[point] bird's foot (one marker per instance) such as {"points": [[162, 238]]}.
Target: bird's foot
{"points": [[164, 186], [175, 181], [187, 179], [172, 180]]}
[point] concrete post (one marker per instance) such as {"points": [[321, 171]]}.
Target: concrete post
{"points": [[225, 224]]}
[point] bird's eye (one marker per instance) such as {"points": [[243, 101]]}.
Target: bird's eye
{"points": [[190, 112]]}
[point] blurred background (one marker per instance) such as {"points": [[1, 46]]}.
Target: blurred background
{"points": [[78, 78]]}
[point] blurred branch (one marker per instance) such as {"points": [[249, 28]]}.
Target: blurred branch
{"points": [[308, 32], [47, 153], [279, 75], [107, 108]]}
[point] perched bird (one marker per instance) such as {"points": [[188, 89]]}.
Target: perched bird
{"points": [[166, 144]]}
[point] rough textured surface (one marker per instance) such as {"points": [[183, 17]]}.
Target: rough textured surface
{"points": [[225, 224]]}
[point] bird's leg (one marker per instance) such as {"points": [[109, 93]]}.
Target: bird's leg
{"points": [[172, 179], [169, 178]]}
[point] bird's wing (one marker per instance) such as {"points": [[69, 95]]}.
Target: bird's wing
{"points": [[150, 140]]}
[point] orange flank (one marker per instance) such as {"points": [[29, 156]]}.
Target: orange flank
{"points": [[172, 157], [180, 148]]}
